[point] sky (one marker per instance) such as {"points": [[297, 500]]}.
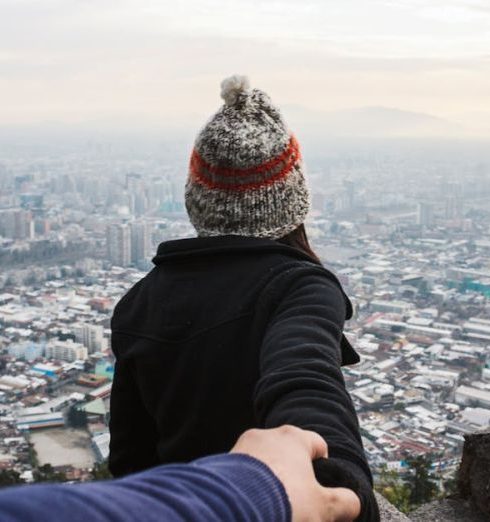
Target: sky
{"points": [[160, 62]]}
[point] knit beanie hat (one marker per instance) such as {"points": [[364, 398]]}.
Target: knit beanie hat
{"points": [[245, 173]]}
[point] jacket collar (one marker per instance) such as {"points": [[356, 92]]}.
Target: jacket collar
{"points": [[199, 246], [184, 248], [170, 251]]}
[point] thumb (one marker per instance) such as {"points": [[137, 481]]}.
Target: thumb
{"points": [[340, 504]]}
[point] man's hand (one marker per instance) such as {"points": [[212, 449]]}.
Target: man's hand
{"points": [[289, 452]]}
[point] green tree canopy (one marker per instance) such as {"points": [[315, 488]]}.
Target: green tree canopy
{"points": [[47, 473], [100, 471], [393, 489], [76, 418], [420, 480], [9, 477]]}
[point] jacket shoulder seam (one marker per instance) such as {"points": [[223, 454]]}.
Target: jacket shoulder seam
{"points": [[132, 333]]}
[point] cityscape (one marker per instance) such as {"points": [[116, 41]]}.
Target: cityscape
{"points": [[405, 226]]}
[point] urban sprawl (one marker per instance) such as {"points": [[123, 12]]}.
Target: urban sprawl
{"points": [[410, 244]]}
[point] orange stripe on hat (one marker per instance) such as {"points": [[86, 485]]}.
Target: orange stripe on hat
{"points": [[203, 172]]}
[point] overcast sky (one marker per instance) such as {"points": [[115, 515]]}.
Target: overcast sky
{"points": [[162, 61]]}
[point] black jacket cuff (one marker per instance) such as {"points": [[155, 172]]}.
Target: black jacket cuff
{"points": [[336, 473]]}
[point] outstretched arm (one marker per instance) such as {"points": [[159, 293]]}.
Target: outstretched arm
{"points": [[269, 477], [301, 382]]}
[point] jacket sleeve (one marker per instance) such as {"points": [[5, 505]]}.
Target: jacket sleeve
{"points": [[222, 487], [301, 382], [133, 432]]}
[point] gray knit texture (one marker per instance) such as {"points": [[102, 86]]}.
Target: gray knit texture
{"points": [[246, 133]]}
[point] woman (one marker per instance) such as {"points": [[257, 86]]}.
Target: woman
{"points": [[242, 326]]}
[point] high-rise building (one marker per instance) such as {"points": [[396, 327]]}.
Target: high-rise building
{"points": [[41, 226], [119, 244], [425, 214], [453, 207], [90, 335], [16, 223], [140, 241]]}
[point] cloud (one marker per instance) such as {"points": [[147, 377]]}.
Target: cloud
{"points": [[157, 59]]}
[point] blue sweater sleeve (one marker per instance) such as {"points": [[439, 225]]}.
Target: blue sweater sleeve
{"points": [[230, 487]]}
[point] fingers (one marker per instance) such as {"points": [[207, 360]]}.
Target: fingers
{"points": [[317, 445], [314, 443], [341, 504], [289, 452]]}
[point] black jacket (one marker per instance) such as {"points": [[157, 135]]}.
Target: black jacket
{"points": [[225, 334]]}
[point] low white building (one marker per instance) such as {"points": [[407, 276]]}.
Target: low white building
{"points": [[28, 351], [472, 396], [66, 351], [397, 307], [40, 420], [477, 417]]}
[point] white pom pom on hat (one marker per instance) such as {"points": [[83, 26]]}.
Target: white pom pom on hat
{"points": [[232, 87]]}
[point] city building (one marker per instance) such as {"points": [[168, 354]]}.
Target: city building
{"points": [[140, 241], [425, 214], [66, 350], [16, 223], [119, 244], [470, 396], [90, 335], [27, 351], [40, 420]]}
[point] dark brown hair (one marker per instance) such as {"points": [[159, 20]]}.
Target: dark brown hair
{"points": [[298, 239]]}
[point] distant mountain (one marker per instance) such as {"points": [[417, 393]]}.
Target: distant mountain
{"points": [[374, 122], [55, 137], [361, 126]]}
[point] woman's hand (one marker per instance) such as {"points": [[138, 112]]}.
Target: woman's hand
{"points": [[289, 451]]}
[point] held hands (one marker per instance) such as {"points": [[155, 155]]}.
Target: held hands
{"points": [[289, 452]]}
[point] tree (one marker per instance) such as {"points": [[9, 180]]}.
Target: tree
{"points": [[393, 489], [100, 471], [420, 480], [33, 460], [9, 477], [450, 484], [77, 418], [47, 473]]}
